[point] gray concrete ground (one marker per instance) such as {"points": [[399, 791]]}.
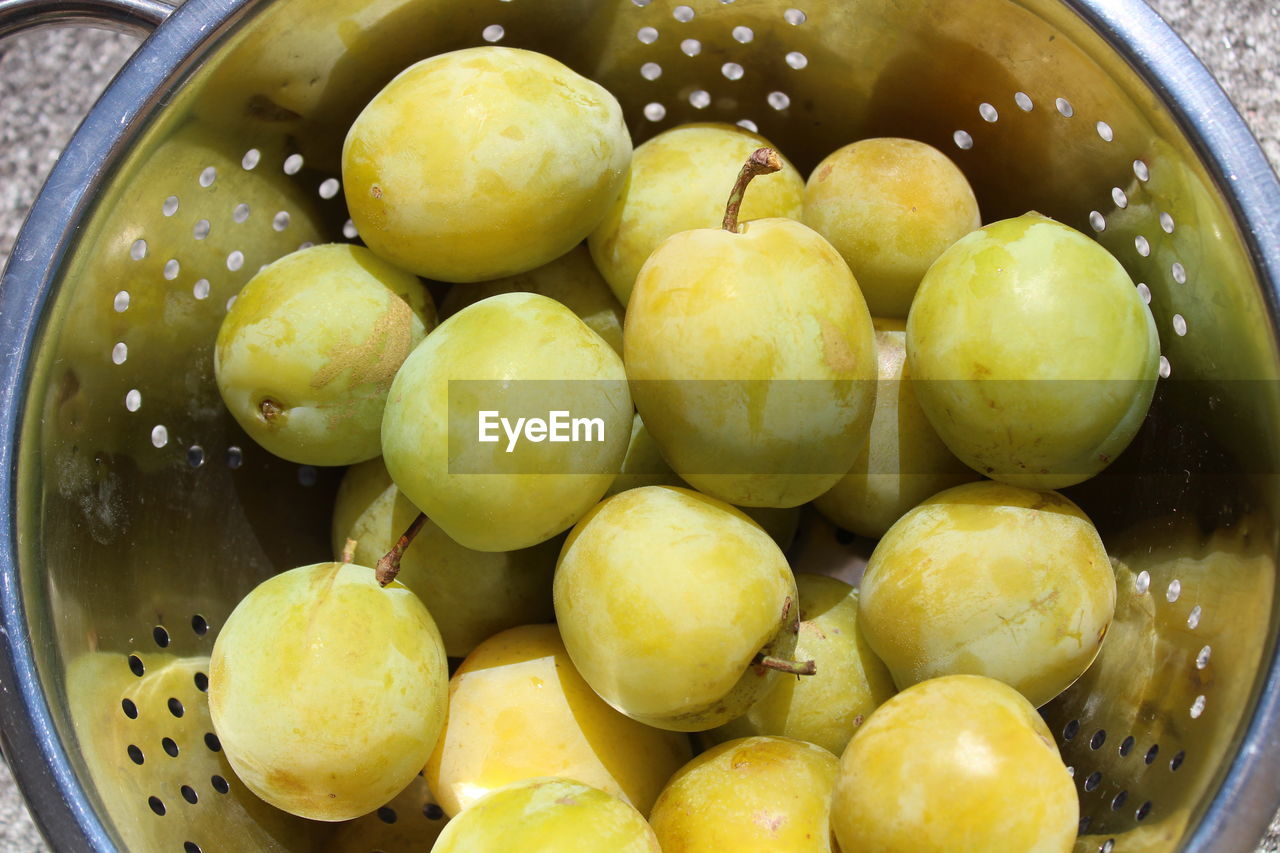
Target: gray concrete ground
{"points": [[50, 78]]}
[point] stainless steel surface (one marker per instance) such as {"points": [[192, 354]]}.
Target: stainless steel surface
{"points": [[129, 15], [111, 436]]}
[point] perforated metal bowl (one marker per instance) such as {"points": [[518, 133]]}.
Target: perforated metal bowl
{"points": [[135, 513]]}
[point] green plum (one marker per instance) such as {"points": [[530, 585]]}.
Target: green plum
{"points": [[548, 816], [327, 690], [677, 182], [571, 279], [961, 764], [519, 160], [499, 487], [751, 795], [990, 579], [752, 358], [1032, 353], [828, 707], [305, 357], [890, 207], [471, 594], [668, 601], [904, 461]]}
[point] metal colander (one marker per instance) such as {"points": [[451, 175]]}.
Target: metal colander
{"points": [[136, 513]]}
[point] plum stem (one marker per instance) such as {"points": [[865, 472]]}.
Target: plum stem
{"points": [[761, 162], [795, 667], [389, 566]]}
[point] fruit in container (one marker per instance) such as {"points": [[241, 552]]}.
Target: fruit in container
{"points": [[482, 163], [961, 764], [552, 815], [751, 357], [327, 690], [670, 603], [904, 461], [305, 356], [518, 710], [1032, 353], [990, 579], [471, 595], [750, 795], [828, 707], [511, 356], [678, 181], [890, 206]]}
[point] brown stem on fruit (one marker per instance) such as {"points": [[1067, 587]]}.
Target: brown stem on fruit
{"points": [[349, 551], [761, 162], [389, 566], [795, 667], [269, 409]]}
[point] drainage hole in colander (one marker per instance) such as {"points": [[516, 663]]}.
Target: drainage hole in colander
{"points": [[1202, 659], [1179, 273], [1084, 824], [988, 112], [211, 741], [195, 456], [1197, 708], [699, 99], [201, 229], [1143, 247], [280, 221], [1143, 811], [200, 625], [1023, 100], [1145, 293], [1105, 133], [386, 814], [651, 71], [691, 47], [293, 164], [1070, 730], [743, 35], [797, 60], [138, 250], [732, 71], [190, 847], [1180, 329], [1150, 757], [1064, 107], [647, 35], [156, 805], [794, 17], [250, 159], [175, 707], [1140, 171], [161, 636], [189, 794], [329, 187], [349, 230], [120, 353], [235, 260], [130, 709], [431, 811], [171, 269], [208, 176], [169, 746], [133, 400], [159, 435], [306, 475], [1193, 618], [219, 784], [748, 124], [1166, 223], [1126, 746], [1174, 590], [1097, 221], [170, 206], [121, 302], [1117, 802], [1098, 739], [779, 100], [235, 457], [655, 111], [240, 212], [135, 754], [1165, 368], [1071, 771], [492, 33], [1107, 846], [202, 684], [135, 665], [1092, 781], [683, 14], [231, 301], [962, 139], [1118, 196], [641, 3]]}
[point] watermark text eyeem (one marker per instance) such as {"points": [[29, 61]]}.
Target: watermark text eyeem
{"points": [[557, 426]]}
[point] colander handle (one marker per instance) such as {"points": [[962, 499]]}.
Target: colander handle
{"points": [[137, 16]]}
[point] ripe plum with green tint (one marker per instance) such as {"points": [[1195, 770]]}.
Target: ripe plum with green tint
{"points": [[961, 764], [677, 182], [1033, 355], [483, 162], [890, 207], [571, 279], [518, 709], [306, 354], [904, 461], [327, 690], [669, 603], [828, 707], [471, 595], [751, 795], [752, 357], [523, 354], [548, 816], [990, 579]]}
